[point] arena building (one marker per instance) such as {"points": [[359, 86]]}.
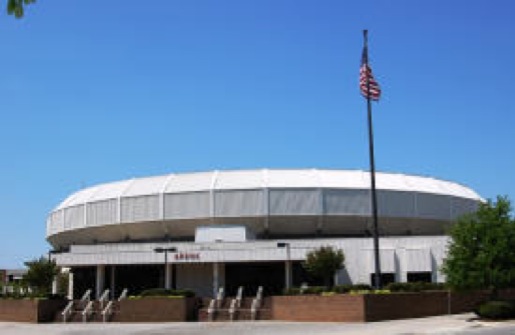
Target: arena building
{"points": [[251, 228]]}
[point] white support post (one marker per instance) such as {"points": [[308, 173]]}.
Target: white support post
{"points": [[70, 285], [55, 284], [100, 280], [216, 279]]}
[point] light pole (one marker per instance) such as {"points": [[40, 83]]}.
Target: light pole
{"points": [[168, 274], [287, 268], [50, 253]]}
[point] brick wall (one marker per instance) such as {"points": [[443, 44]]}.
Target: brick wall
{"points": [[29, 310], [337, 308], [404, 305], [156, 309], [376, 307]]}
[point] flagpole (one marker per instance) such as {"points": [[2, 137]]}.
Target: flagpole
{"points": [[373, 194]]}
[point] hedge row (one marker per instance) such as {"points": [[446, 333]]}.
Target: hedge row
{"points": [[496, 310], [161, 292], [365, 288], [415, 287]]}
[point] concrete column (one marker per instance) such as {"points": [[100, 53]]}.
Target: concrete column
{"points": [[216, 278], [55, 284], [168, 276], [287, 267], [287, 274], [70, 285], [100, 280], [113, 282]]}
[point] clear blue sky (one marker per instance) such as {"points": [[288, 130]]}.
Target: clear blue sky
{"points": [[96, 91]]}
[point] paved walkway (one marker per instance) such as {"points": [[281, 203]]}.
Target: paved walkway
{"points": [[451, 324]]}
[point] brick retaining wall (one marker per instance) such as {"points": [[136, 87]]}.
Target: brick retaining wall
{"points": [[336, 308], [29, 310], [377, 307], [156, 309]]}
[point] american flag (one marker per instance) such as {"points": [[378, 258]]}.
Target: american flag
{"points": [[367, 84]]}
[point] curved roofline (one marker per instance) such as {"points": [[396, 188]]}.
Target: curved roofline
{"points": [[404, 182]]}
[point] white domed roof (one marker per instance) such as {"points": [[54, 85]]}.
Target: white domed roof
{"points": [[264, 178]]}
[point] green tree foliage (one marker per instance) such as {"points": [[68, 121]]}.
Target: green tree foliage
{"points": [[16, 7], [62, 283], [324, 262], [481, 253], [40, 274]]}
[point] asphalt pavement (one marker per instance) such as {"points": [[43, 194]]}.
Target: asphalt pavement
{"points": [[449, 324]]}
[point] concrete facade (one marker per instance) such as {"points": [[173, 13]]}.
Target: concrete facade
{"points": [[120, 225]]}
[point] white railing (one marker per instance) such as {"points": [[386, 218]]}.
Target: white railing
{"points": [[239, 296], [86, 313], [103, 298], [232, 309], [107, 312], [220, 297], [123, 295], [67, 311], [86, 298], [254, 308], [259, 293], [256, 303], [211, 309]]}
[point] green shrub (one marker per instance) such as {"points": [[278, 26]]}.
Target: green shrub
{"points": [[347, 288], [382, 291], [161, 292], [361, 287], [315, 290], [400, 287], [342, 288], [361, 291], [414, 287], [292, 291], [185, 293], [496, 310]]}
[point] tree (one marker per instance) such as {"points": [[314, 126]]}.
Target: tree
{"points": [[481, 253], [40, 274], [15, 7], [324, 262]]}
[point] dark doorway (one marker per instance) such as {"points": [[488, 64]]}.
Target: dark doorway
{"points": [[269, 275], [253, 275], [83, 280], [301, 276], [386, 278], [419, 277], [137, 278]]}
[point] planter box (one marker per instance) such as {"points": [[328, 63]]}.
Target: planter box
{"points": [[377, 307], [336, 308], [30, 310], [157, 309]]}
